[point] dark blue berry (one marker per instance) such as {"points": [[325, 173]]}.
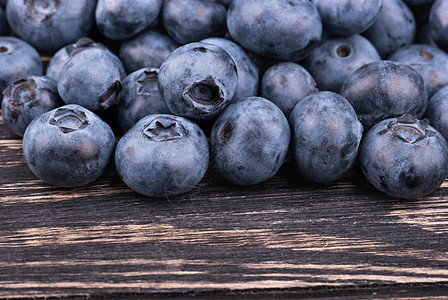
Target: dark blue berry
{"points": [[385, 89], [27, 98], [59, 59], [404, 157], [139, 97], [326, 135], [122, 19], [335, 59], [17, 59], [285, 30], [249, 141], [189, 21], [49, 25], [90, 78], [347, 17], [148, 49], [69, 146], [198, 80], [437, 111], [286, 84], [393, 28], [430, 62], [438, 23], [162, 155]]}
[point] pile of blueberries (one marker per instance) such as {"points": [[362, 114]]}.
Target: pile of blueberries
{"points": [[242, 84]]}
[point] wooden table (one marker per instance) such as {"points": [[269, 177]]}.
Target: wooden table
{"points": [[285, 238]]}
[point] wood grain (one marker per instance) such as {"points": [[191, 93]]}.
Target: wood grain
{"points": [[284, 238]]}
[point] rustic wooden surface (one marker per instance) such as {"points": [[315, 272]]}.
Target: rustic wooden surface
{"points": [[286, 238]]}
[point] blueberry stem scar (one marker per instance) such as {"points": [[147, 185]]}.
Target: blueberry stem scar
{"points": [[343, 51], [164, 129], [69, 120], [426, 55], [144, 78], [204, 92], [20, 87]]}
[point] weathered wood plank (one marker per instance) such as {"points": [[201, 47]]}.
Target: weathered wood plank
{"points": [[286, 235]]}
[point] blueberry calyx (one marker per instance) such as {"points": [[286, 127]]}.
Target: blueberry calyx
{"points": [[409, 129], [5, 47], [203, 93], [144, 80], [42, 9], [426, 55], [343, 51], [164, 129], [20, 91], [110, 97], [69, 119]]}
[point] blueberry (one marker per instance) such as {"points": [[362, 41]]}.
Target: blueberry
{"points": [[326, 135], [59, 59], [249, 141], [385, 89], [148, 49], [49, 25], [347, 17], [335, 59], [430, 62], [437, 111], [69, 146], [122, 19], [248, 72], [91, 79], [27, 98], [139, 97], [404, 157], [286, 84], [162, 155], [18, 59], [438, 23], [198, 80], [285, 30], [394, 28], [189, 21]]}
